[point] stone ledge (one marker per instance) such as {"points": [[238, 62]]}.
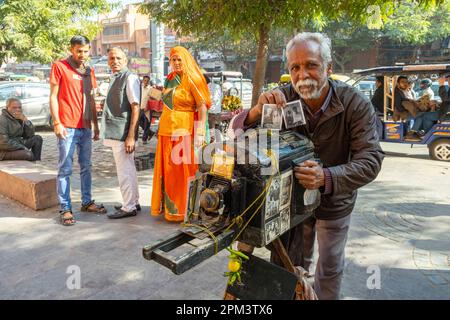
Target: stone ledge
{"points": [[28, 183]]}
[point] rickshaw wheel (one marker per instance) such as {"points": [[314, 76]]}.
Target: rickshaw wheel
{"points": [[440, 150]]}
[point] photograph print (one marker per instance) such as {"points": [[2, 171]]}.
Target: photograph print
{"points": [[273, 198], [272, 229], [293, 114], [272, 117], [285, 220], [286, 189]]}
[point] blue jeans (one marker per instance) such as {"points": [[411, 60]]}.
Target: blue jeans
{"points": [[429, 119], [418, 121], [81, 139], [425, 120]]}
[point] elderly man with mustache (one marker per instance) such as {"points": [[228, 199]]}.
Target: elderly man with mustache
{"points": [[340, 121], [120, 129]]}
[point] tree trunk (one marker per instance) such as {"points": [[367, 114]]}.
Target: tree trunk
{"points": [[261, 63], [416, 56]]}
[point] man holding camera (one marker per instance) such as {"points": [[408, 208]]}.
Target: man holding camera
{"points": [[17, 138], [342, 125]]}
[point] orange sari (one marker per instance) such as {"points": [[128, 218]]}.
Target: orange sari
{"points": [[174, 160]]}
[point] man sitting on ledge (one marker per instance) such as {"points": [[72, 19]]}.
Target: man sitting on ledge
{"points": [[17, 138]]}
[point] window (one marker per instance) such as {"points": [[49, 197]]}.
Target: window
{"points": [[113, 31], [9, 92], [35, 92]]}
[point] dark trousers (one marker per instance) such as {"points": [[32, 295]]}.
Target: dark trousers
{"points": [[144, 123], [34, 154], [213, 123], [331, 238]]}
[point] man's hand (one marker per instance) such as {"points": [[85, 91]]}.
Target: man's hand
{"points": [[96, 134], [198, 141], [274, 96], [310, 175], [129, 144], [20, 116], [60, 131]]}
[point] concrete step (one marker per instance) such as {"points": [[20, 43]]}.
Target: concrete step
{"points": [[28, 183]]}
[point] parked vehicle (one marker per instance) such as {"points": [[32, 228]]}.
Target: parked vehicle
{"points": [[233, 83], [241, 88], [367, 87], [34, 97], [438, 138]]}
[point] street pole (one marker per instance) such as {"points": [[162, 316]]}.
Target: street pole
{"points": [[157, 45]]}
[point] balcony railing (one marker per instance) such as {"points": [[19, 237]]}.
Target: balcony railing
{"points": [[114, 20]]}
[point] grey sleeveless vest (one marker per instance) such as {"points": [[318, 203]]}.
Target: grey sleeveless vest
{"points": [[117, 110]]}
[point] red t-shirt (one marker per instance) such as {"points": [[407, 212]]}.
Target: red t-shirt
{"points": [[70, 95]]}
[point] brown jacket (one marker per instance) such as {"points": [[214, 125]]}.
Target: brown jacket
{"points": [[346, 142]]}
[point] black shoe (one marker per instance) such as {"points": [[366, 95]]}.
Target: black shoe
{"points": [[121, 214], [138, 207]]}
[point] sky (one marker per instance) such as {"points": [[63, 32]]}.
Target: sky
{"points": [[124, 2]]}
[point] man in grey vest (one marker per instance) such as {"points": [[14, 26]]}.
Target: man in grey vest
{"points": [[119, 129]]}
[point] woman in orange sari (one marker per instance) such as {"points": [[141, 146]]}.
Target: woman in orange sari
{"points": [[181, 130]]}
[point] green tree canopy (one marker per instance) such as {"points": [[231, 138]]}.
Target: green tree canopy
{"points": [[258, 18], [39, 30], [410, 23]]}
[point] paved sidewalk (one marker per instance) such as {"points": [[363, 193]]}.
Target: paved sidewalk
{"points": [[401, 225]]}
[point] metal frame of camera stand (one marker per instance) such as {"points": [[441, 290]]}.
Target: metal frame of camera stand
{"points": [[160, 251]]}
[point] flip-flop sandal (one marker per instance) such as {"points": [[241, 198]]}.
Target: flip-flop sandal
{"points": [[93, 207], [65, 221]]}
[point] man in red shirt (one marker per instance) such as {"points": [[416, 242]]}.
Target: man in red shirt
{"points": [[72, 106]]}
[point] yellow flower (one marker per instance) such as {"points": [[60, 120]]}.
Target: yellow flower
{"points": [[234, 265]]}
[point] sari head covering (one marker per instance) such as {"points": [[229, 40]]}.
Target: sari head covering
{"points": [[192, 72]]}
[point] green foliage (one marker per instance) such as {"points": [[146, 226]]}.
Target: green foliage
{"points": [[411, 24], [408, 22], [238, 19], [40, 30]]}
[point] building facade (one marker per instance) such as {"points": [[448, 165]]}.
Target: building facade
{"points": [[128, 29]]}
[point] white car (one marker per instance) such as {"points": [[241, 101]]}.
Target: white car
{"points": [[35, 98]]}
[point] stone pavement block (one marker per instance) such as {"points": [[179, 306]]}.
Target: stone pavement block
{"points": [[440, 260], [131, 283], [438, 280], [28, 183]]}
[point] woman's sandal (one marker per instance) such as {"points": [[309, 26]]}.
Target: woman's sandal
{"points": [[67, 221], [93, 207]]}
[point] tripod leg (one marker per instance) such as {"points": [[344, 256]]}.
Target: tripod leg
{"points": [[282, 253]]}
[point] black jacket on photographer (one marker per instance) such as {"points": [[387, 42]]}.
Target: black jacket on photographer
{"points": [[13, 133], [346, 141]]}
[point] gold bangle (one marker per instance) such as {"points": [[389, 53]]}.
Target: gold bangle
{"points": [[56, 123]]}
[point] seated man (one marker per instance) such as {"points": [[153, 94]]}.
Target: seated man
{"points": [[378, 96], [17, 138], [444, 93], [425, 88], [400, 97], [428, 114]]}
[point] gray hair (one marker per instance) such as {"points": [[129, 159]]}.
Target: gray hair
{"points": [[320, 38], [10, 100], [120, 49]]}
